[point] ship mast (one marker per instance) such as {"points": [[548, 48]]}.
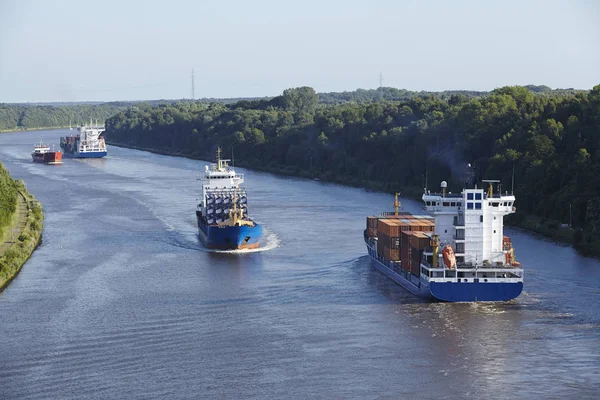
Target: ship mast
{"points": [[219, 159], [396, 204], [235, 213]]}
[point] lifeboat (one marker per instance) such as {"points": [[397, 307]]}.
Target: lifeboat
{"points": [[448, 256]]}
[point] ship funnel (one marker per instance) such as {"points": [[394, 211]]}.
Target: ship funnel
{"points": [[443, 185]]}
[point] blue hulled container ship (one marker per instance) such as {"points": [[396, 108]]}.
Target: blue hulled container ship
{"points": [[459, 254], [222, 212], [89, 143]]}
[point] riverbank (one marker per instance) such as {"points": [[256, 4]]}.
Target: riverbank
{"points": [[408, 192], [43, 128], [549, 229], [17, 247]]}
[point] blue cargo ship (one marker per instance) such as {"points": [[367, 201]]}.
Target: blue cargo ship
{"points": [[465, 257], [89, 143], [222, 212]]}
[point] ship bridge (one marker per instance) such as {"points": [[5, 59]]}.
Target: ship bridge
{"points": [[219, 177], [472, 222]]}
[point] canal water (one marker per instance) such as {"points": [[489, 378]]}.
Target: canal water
{"points": [[121, 300]]}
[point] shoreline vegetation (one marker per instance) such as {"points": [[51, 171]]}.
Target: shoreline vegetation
{"points": [[20, 211], [529, 223], [42, 128], [546, 143], [387, 140]]}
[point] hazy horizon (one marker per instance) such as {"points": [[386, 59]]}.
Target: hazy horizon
{"points": [[70, 51]]}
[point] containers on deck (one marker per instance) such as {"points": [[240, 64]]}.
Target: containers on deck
{"points": [[391, 241], [413, 243]]}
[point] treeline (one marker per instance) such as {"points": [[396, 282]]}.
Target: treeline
{"points": [[393, 94], [25, 116], [19, 117], [551, 142], [389, 93], [15, 117]]}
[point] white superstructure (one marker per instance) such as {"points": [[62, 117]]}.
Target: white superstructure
{"points": [[90, 139], [472, 223], [220, 190]]}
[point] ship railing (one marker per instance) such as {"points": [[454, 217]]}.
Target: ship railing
{"points": [[392, 213], [468, 266], [493, 196], [469, 274], [447, 195]]}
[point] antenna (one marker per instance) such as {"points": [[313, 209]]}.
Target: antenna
{"points": [[512, 190], [193, 94], [380, 79], [232, 159]]}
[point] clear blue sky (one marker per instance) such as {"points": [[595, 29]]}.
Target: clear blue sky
{"points": [[78, 50]]}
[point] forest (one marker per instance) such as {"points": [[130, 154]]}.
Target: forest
{"points": [[24, 116], [551, 140], [388, 93]]}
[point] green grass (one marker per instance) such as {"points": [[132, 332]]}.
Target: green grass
{"points": [[5, 230], [12, 260]]}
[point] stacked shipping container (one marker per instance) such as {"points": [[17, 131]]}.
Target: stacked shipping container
{"points": [[371, 226], [389, 233], [413, 244]]}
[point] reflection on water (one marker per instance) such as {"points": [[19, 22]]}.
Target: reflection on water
{"points": [[122, 300]]}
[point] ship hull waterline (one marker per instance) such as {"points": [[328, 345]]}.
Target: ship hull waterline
{"points": [[449, 291], [229, 237], [91, 154], [47, 158]]}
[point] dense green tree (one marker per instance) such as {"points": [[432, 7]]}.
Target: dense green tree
{"points": [[387, 139]]}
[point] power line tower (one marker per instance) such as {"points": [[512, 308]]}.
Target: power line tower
{"points": [[380, 80], [193, 94]]}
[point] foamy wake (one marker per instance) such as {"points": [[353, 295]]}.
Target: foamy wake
{"points": [[269, 241]]}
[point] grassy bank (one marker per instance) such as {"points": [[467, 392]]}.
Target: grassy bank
{"points": [[13, 259]]}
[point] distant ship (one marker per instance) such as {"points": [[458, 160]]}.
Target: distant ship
{"points": [[222, 212], [42, 154], [477, 261], [89, 143]]}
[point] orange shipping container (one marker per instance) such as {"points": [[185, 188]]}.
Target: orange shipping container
{"points": [[391, 254], [384, 241], [420, 240], [388, 227]]}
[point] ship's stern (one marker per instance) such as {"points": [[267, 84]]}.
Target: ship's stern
{"points": [[475, 291]]}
